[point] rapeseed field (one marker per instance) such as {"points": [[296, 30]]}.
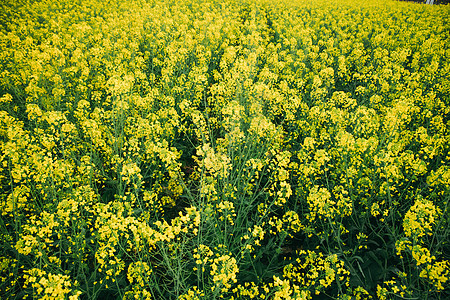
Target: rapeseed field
{"points": [[199, 149]]}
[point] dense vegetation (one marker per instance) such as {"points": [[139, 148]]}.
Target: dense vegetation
{"points": [[224, 149]]}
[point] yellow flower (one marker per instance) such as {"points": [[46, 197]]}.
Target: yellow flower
{"points": [[138, 272], [420, 218], [320, 203], [49, 285], [437, 273], [6, 98], [224, 269]]}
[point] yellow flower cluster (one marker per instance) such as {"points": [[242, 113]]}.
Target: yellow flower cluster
{"points": [[435, 272], [200, 149], [223, 272], [420, 219], [50, 286], [315, 273]]}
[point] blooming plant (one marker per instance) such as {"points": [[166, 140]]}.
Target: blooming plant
{"points": [[203, 149]]}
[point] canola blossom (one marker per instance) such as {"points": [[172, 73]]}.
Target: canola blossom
{"points": [[204, 149]]}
